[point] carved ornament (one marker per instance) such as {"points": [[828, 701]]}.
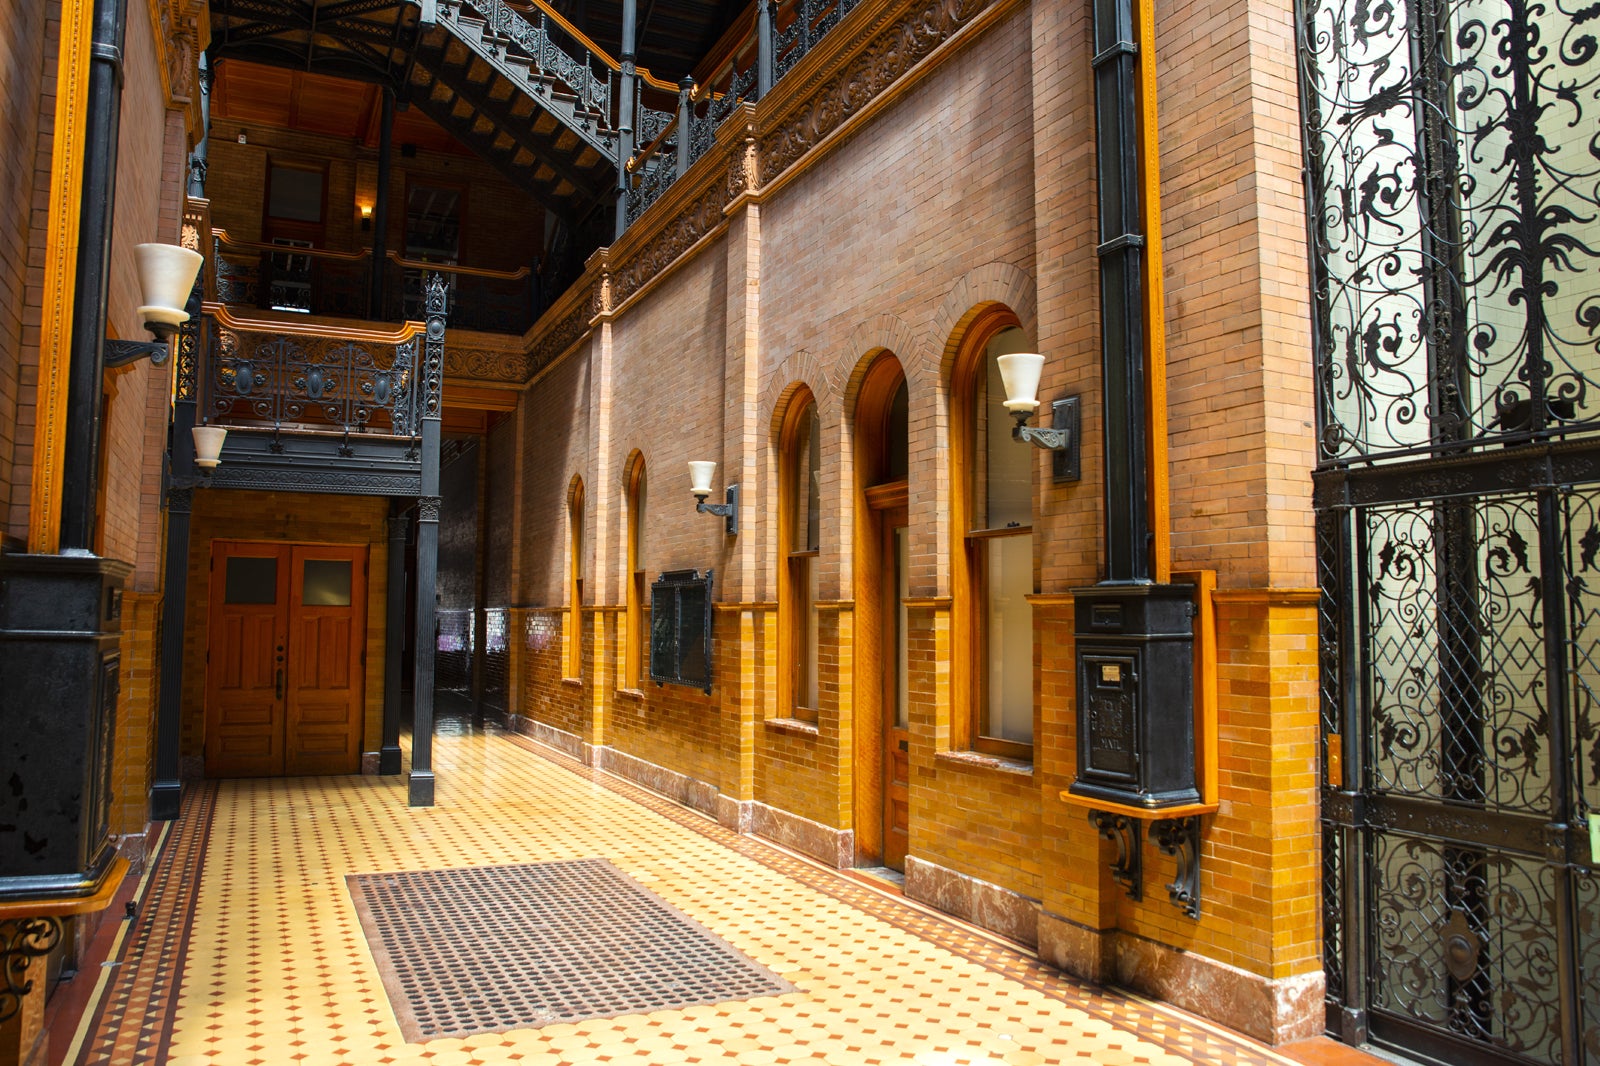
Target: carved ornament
{"points": [[487, 364], [692, 223]]}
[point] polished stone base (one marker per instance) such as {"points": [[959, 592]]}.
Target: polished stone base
{"points": [[1001, 910], [836, 847], [1276, 1011]]}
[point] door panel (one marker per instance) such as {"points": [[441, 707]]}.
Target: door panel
{"points": [[328, 605], [285, 691], [244, 698]]}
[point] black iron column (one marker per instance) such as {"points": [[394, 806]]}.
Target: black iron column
{"points": [[628, 86], [421, 789], [380, 208], [80, 476], [1135, 639], [394, 640]]}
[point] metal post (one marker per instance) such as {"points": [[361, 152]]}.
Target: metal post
{"points": [[380, 208], [81, 453], [394, 641], [685, 125], [764, 48], [422, 780], [629, 90], [480, 614], [197, 160]]}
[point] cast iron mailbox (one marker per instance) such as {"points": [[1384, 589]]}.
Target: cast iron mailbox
{"points": [[680, 629], [1136, 741]]}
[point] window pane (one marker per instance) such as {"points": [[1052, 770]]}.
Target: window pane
{"points": [[1007, 484], [805, 584], [1010, 616], [808, 489], [251, 580], [326, 583], [295, 194], [897, 445]]}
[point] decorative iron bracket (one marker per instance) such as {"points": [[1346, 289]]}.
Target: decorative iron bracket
{"points": [[21, 941], [1127, 869], [1061, 438], [729, 510], [123, 353], [1180, 838]]}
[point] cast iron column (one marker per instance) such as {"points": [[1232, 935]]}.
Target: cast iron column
{"points": [[380, 209], [81, 472], [421, 789], [166, 790], [394, 641], [628, 86], [1135, 639]]}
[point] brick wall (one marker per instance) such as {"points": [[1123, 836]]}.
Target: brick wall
{"points": [[289, 517], [23, 56]]}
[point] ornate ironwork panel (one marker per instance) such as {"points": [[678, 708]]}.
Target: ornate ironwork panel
{"points": [[284, 380], [1454, 218], [1454, 192], [1466, 942]]}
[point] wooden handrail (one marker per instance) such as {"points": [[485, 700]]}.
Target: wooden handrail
{"points": [[289, 249], [595, 50], [299, 326], [455, 268]]}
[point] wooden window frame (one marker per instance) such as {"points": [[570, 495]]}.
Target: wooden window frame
{"points": [[633, 658], [795, 564], [572, 667], [969, 570]]}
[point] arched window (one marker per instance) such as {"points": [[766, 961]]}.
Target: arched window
{"points": [[799, 542], [993, 506], [633, 657], [574, 627]]}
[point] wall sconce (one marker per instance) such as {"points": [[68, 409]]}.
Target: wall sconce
{"points": [[366, 216], [166, 277], [208, 447], [1020, 373], [700, 485]]}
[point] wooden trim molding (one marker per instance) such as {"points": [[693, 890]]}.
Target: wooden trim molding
{"points": [[1272, 597], [1155, 321], [299, 326], [60, 274]]}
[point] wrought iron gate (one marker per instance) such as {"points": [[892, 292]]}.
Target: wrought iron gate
{"points": [[1453, 187]]}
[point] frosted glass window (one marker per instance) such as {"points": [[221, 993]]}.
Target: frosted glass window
{"points": [[1010, 562], [326, 583]]}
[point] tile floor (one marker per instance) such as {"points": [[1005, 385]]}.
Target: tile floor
{"points": [[248, 949]]}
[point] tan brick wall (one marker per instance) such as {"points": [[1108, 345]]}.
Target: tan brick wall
{"points": [[23, 56], [286, 517], [974, 188], [133, 763]]}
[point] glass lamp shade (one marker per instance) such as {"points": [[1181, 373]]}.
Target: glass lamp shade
{"points": [[208, 445], [1020, 372], [700, 478], [166, 274]]}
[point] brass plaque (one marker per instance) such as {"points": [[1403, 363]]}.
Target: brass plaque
{"points": [[1335, 758], [1110, 673]]}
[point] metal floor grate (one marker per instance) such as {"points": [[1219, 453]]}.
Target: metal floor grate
{"points": [[489, 948]]}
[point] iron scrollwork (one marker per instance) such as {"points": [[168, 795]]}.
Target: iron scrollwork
{"points": [[316, 382], [1127, 869], [1180, 838], [22, 940]]}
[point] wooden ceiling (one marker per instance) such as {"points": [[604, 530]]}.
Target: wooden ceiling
{"points": [[280, 98]]}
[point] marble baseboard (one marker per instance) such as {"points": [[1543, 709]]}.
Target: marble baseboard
{"points": [[836, 847], [734, 814], [369, 763], [1274, 1011], [689, 791], [1000, 910], [549, 736]]}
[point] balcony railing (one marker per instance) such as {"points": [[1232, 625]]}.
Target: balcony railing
{"points": [[325, 282]]}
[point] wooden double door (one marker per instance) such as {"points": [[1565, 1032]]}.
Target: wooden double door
{"points": [[285, 659]]}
